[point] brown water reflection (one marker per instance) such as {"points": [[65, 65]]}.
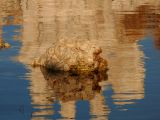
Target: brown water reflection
{"points": [[115, 26], [41, 28], [10, 8], [11, 14], [49, 87], [67, 87], [140, 19]]}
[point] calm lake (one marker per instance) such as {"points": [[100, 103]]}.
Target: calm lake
{"points": [[128, 32]]}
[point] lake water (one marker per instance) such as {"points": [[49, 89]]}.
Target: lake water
{"points": [[128, 32]]}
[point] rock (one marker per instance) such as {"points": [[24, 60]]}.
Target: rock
{"points": [[7, 45], [4, 44], [36, 62], [76, 57]]}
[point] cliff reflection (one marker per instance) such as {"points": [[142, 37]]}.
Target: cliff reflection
{"points": [[137, 19], [10, 15], [127, 74], [96, 21], [67, 87], [10, 12], [134, 20], [51, 87], [39, 94]]}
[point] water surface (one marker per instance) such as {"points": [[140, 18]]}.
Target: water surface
{"points": [[127, 31]]}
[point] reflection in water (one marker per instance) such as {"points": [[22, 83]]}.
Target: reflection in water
{"points": [[51, 87], [10, 15], [134, 20], [85, 21], [39, 93], [114, 25], [69, 89], [137, 19], [10, 9], [99, 109], [115, 29], [68, 20], [14, 102], [127, 74]]}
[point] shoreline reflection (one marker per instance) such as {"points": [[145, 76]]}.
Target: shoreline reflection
{"points": [[67, 87], [99, 23], [67, 90]]}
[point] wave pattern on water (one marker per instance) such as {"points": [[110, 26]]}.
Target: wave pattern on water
{"points": [[115, 25], [94, 21]]}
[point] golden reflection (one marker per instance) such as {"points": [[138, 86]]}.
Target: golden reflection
{"points": [[114, 25], [99, 109], [127, 74], [10, 14], [127, 68], [137, 21], [68, 109], [87, 20], [68, 89], [49, 87], [134, 20], [41, 28], [40, 95]]}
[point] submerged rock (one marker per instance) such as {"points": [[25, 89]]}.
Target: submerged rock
{"points": [[4, 44], [76, 57]]}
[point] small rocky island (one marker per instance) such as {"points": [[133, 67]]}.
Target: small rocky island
{"points": [[77, 57], [4, 44]]}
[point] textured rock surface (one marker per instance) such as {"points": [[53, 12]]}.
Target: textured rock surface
{"points": [[73, 56], [3, 44]]}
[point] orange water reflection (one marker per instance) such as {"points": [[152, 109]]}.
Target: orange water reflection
{"points": [[11, 14], [116, 28]]}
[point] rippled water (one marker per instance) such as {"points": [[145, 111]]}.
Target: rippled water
{"points": [[127, 31]]}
